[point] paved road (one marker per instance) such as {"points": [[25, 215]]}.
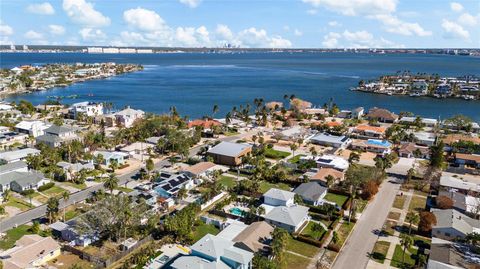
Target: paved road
{"points": [[362, 239], [40, 211]]}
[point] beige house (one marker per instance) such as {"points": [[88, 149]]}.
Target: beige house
{"points": [[229, 153], [30, 251]]}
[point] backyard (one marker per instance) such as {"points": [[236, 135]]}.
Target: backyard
{"points": [[12, 235], [310, 231], [304, 249], [265, 186], [226, 181], [203, 229], [336, 198], [276, 154]]}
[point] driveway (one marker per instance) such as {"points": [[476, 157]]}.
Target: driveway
{"points": [[361, 241]]}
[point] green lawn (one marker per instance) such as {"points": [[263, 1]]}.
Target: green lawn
{"points": [[389, 227], [418, 203], [203, 229], [361, 205], [343, 232], [71, 214], [54, 191], [276, 154], [301, 248], [18, 203], [398, 254], [123, 189], [336, 198], [265, 186], [13, 235], [308, 231], [399, 201], [295, 159], [78, 186], [295, 261], [380, 250], [227, 182]]}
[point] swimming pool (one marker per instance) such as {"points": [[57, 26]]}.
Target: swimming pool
{"points": [[376, 142], [237, 211]]}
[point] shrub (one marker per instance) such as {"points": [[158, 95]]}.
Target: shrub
{"points": [[333, 247], [28, 192], [46, 186], [444, 202], [309, 240], [427, 220], [369, 190]]}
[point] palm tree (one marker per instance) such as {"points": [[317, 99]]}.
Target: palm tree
{"points": [[6, 195], [411, 218], [293, 148], [113, 165], [254, 139], [65, 196], [354, 157], [52, 209], [330, 180], [182, 193], [406, 241], [214, 110], [111, 183]]}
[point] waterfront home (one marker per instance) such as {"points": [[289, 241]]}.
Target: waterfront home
{"points": [[89, 109], [127, 117], [229, 153], [357, 113], [18, 155], [290, 218], [419, 88], [443, 90], [411, 150], [315, 111], [453, 225], [367, 131], [255, 238], [445, 254], [206, 124], [5, 107], [312, 193], [426, 121], [169, 184], [464, 160], [109, 156], [332, 161], [278, 197], [10, 138], [382, 115], [321, 175], [214, 252], [57, 135], [381, 147], [33, 128], [329, 140], [30, 251]]}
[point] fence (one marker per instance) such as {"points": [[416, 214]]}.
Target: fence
{"points": [[103, 263]]}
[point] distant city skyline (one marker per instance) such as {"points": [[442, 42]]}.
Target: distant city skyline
{"points": [[246, 24]]}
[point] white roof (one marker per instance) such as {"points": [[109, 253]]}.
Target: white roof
{"points": [[130, 112], [229, 149], [28, 125], [291, 215], [333, 161], [447, 180], [279, 194], [232, 230], [137, 146], [424, 120], [10, 156]]}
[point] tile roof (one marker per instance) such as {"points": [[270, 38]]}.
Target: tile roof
{"points": [[253, 235], [199, 167]]}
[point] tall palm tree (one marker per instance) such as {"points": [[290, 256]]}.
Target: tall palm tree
{"points": [[214, 110], [293, 148], [65, 196], [52, 209], [406, 241], [411, 218], [111, 183]]}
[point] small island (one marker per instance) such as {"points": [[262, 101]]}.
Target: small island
{"points": [[28, 78], [421, 84]]}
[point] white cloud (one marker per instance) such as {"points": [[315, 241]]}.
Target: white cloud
{"points": [[356, 7], [32, 35], [297, 32], [468, 20], [454, 30], [191, 3], [358, 39], [312, 11], [457, 7], [253, 37], [84, 13], [143, 19], [41, 9], [55, 29], [392, 24], [224, 32], [90, 34], [5, 30], [334, 23]]}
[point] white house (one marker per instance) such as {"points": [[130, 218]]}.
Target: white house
{"points": [[128, 116], [277, 197], [452, 225], [34, 128], [89, 109], [17, 155]]}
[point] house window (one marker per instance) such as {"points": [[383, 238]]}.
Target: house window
{"points": [[447, 234]]}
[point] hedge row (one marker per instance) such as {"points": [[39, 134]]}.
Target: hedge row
{"points": [[46, 186]]}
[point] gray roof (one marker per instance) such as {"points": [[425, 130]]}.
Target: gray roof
{"points": [[153, 139], [292, 215], [17, 154], [229, 149], [194, 262], [23, 179], [49, 138], [12, 166], [310, 191], [55, 129], [59, 226], [75, 167], [327, 138], [451, 218], [215, 246], [279, 194]]}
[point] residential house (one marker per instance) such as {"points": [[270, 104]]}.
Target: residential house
{"points": [[68, 232], [18, 155], [229, 153], [382, 115], [443, 90], [169, 184], [89, 109], [329, 140], [452, 225], [426, 121], [73, 168], [321, 176], [10, 138], [57, 135], [451, 255], [109, 156], [381, 147], [312, 193], [367, 131], [467, 160], [205, 124], [203, 169], [256, 238], [410, 150], [32, 128], [127, 117], [454, 138], [30, 251], [419, 88], [137, 150], [462, 183], [278, 197], [214, 252], [153, 140], [332, 161], [463, 203], [425, 138], [22, 181], [5, 169], [357, 113]]}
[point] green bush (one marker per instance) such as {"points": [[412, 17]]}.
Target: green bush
{"points": [[28, 192], [46, 186]]}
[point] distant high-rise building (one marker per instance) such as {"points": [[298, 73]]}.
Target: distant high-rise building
{"points": [[12, 47], [25, 47], [94, 50]]}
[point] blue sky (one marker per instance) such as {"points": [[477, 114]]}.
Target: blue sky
{"points": [[244, 23]]}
